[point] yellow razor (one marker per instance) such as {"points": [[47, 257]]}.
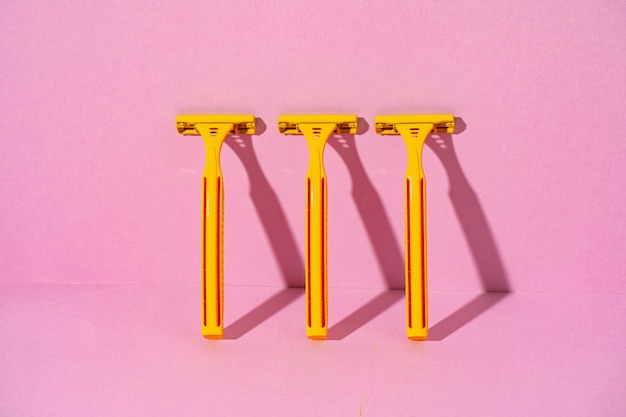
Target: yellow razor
{"points": [[316, 129], [414, 129], [213, 129]]}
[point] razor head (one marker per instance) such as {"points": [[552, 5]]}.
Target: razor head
{"points": [[386, 125], [345, 123], [243, 124]]}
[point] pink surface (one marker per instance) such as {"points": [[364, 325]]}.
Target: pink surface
{"points": [[103, 350], [99, 237]]}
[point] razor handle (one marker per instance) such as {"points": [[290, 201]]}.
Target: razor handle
{"points": [[416, 282], [212, 237], [316, 282]]}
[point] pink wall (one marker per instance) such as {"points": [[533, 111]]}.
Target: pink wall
{"points": [[97, 186]]}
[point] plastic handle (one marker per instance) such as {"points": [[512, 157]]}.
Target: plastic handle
{"points": [[416, 282], [316, 283], [212, 260]]}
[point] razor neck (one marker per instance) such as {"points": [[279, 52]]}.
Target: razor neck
{"points": [[415, 135], [317, 135], [213, 135]]}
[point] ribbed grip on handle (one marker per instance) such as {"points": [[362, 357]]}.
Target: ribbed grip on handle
{"points": [[213, 258], [316, 255], [415, 268]]}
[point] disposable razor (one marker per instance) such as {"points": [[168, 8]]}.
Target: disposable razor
{"points": [[414, 129], [316, 129], [213, 129]]}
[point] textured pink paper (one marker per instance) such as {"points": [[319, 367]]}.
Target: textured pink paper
{"points": [[100, 207], [97, 186], [103, 350]]}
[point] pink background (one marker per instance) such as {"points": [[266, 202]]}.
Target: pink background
{"points": [[98, 188]]}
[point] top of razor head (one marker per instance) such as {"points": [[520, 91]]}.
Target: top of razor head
{"points": [[345, 123], [386, 125], [243, 124]]}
